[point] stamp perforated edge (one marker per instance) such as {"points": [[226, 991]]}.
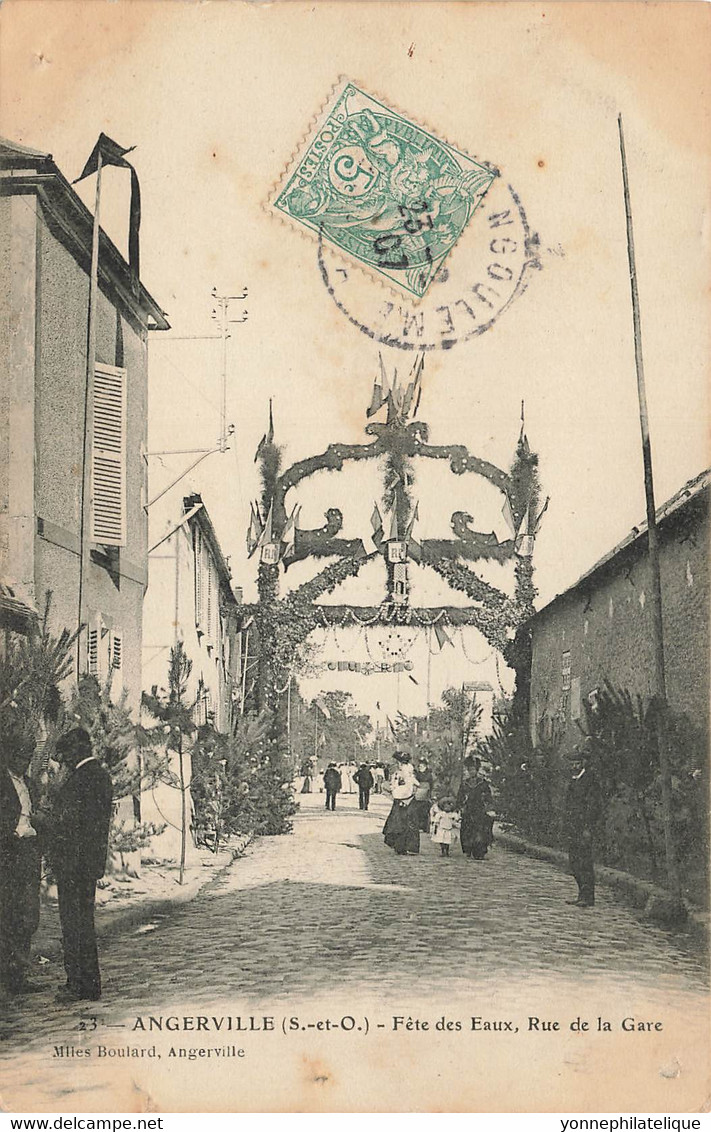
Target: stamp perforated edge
{"points": [[312, 237]]}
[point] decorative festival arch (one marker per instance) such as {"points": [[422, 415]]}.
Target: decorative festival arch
{"points": [[400, 441]]}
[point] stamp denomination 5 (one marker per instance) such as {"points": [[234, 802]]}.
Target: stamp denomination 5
{"points": [[382, 190]]}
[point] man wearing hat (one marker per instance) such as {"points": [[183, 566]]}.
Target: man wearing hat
{"points": [[332, 781], [79, 830], [582, 815], [364, 779]]}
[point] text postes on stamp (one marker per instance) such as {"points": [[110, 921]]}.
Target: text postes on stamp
{"points": [[382, 189]]}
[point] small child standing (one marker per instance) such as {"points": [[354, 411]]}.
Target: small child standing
{"points": [[445, 823]]}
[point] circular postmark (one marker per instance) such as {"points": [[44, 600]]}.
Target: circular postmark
{"points": [[476, 284]]}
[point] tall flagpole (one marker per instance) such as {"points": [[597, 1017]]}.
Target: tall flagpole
{"points": [[659, 690], [85, 497]]}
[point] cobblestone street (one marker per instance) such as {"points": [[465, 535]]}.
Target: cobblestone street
{"points": [[330, 916]]}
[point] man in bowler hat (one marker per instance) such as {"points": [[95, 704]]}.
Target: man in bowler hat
{"points": [[20, 859], [364, 780], [583, 812], [333, 782], [81, 814]]}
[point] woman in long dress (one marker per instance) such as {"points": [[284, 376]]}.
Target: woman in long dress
{"points": [[474, 802], [401, 830], [423, 794]]}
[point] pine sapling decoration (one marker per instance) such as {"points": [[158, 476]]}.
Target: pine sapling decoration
{"points": [[115, 743], [173, 732], [33, 669]]}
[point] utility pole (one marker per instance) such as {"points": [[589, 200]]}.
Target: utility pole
{"points": [[659, 689], [221, 314], [226, 431]]}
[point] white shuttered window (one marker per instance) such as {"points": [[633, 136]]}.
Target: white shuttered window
{"points": [[108, 469], [199, 589]]}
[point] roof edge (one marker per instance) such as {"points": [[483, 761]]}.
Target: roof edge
{"points": [[56, 191], [691, 490], [203, 520]]}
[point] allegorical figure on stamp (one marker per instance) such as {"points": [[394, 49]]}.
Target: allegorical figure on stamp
{"points": [[20, 861], [79, 835]]}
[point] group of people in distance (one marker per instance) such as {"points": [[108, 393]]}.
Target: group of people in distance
{"points": [[467, 817], [346, 778], [69, 829]]}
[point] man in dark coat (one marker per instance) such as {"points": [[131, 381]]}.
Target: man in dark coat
{"points": [[20, 859], [582, 815], [332, 782], [365, 780], [81, 814]]}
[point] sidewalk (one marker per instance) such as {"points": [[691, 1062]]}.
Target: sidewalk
{"points": [[654, 901], [123, 901]]}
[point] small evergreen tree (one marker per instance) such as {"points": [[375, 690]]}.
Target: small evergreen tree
{"points": [[34, 667], [115, 743], [173, 732]]}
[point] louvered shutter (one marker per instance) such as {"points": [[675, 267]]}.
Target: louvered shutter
{"points": [[92, 651], [197, 556], [116, 660], [210, 597], [108, 495]]}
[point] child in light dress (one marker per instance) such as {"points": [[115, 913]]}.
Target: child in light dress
{"points": [[444, 824]]}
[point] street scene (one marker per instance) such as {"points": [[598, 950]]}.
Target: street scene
{"points": [[328, 915], [354, 580]]}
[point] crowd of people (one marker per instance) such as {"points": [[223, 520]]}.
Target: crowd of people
{"points": [[67, 828], [465, 818], [343, 778]]}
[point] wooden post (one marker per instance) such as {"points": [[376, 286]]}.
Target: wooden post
{"points": [[85, 487], [655, 596]]}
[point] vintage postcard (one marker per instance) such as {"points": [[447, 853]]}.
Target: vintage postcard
{"points": [[354, 495]]}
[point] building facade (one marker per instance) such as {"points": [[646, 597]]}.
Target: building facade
{"points": [[190, 599], [45, 256], [600, 629]]}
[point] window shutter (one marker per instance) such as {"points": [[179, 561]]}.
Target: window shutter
{"points": [[197, 560], [116, 660], [108, 470], [92, 652], [210, 597]]}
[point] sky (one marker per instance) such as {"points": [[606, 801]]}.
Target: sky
{"points": [[217, 96]]}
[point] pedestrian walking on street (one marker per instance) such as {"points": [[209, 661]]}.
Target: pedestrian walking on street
{"points": [[332, 782], [582, 815], [401, 830], [423, 794], [79, 826], [444, 825], [364, 778], [20, 859], [473, 803]]}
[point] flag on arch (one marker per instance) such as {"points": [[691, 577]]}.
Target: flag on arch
{"points": [[443, 638]]}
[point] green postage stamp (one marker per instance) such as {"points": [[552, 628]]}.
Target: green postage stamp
{"points": [[382, 189]]}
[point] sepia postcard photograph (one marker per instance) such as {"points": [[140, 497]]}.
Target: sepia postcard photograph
{"points": [[354, 556]]}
